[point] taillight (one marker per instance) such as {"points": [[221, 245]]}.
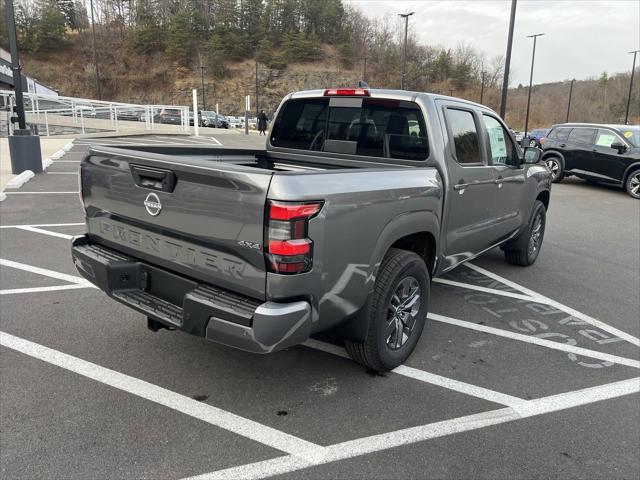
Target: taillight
{"points": [[289, 250], [347, 92]]}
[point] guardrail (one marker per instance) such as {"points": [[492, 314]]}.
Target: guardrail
{"points": [[53, 114]]}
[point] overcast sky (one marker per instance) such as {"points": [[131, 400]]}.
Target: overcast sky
{"points": [[582, 38]]}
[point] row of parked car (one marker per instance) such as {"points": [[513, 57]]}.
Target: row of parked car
{"points": [[608, 154]]}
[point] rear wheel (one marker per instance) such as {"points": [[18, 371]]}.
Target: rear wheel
{"points": [[398, 312], [555, 165], [525, 249], [632, 185]]}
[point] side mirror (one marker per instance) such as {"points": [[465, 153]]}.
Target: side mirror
{"points": [[619, 146], [531, 155]]}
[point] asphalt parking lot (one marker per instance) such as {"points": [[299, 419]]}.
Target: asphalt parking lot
{"points": [[520, 372]]}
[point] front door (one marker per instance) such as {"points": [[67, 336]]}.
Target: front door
{"points": [[510, 177], [469, 224], [607, 164]]}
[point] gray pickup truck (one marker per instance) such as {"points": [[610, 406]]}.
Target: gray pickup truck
{"points": [[359, 199]]}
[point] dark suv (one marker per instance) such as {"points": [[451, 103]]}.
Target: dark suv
{"points": [[602, 153]]}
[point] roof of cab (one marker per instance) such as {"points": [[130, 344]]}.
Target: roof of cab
{"points": [[389, 93]]}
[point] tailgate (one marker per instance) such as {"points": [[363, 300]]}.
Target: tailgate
{"points": [[196, 215]]}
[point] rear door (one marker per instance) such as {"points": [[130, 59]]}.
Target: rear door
{"points": [[200, 216], [470, 223], [579, 150]]}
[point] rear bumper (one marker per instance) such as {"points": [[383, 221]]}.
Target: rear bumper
{"points": [[185, 304]]}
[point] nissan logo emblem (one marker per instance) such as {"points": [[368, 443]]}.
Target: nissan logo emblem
{"points": [[152, 204]]}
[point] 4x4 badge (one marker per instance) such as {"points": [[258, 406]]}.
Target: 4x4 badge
{"points": [[152, 204]]}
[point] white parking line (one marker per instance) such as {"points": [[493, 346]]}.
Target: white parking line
{"points": [[40, 193], [62, 173], [542, 299], [67, 161], [44, 225], [492, 291], [426, 377], [46, 232], [536, 341], [407, 436], [207, 413], [42, 271], [75, 286]]}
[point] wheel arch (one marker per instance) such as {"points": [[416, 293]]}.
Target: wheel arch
{"points": [[544, 196], [406, 232], [630, 169]]}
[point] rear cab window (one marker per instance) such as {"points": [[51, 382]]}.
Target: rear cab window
{"points": [[373, 127]]}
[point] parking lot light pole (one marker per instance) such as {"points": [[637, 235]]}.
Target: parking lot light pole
{"points": [[507, 61], [569, 103], [404, 49], [204, 104], [482, 87], [533, 57], [633, 70], [95, 54]]}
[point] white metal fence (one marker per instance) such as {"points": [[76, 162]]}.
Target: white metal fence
{"points": [[55, 114]]}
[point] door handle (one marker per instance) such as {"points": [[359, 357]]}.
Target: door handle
{"points": [[562, 145], [460, 186]]}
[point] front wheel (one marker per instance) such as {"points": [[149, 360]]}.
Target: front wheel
{"points": [[533, 143], [525, 249], [398, 312], [632, 185]]}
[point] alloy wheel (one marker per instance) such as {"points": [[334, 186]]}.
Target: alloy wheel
{"points": [[536, 236], [634, 185], [554, 166], [532, 143], [402, 312]]}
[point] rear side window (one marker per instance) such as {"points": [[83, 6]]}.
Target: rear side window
{"points": [[359, 126], [465, 136], [582, 135], [561, 134]]}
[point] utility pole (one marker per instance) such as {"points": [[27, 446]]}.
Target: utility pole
{"points": [[204, 104], [507, 61], [633, 69], [404, 50], [482, 87], [569, 103], [257, 106], [451, 92], [533, 57], [364, 70], [95, 55]]}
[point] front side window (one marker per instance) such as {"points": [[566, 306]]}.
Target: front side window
{"points": [[465, 136], [582, 135], [606, 137], [501, 147]]}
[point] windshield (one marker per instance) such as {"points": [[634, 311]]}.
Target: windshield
{"points": [[632, 134], [372, 127]]}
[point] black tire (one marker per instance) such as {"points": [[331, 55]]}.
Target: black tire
{"points": [[556, 165], [397, 268], [632, 184], [524, 250]]}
